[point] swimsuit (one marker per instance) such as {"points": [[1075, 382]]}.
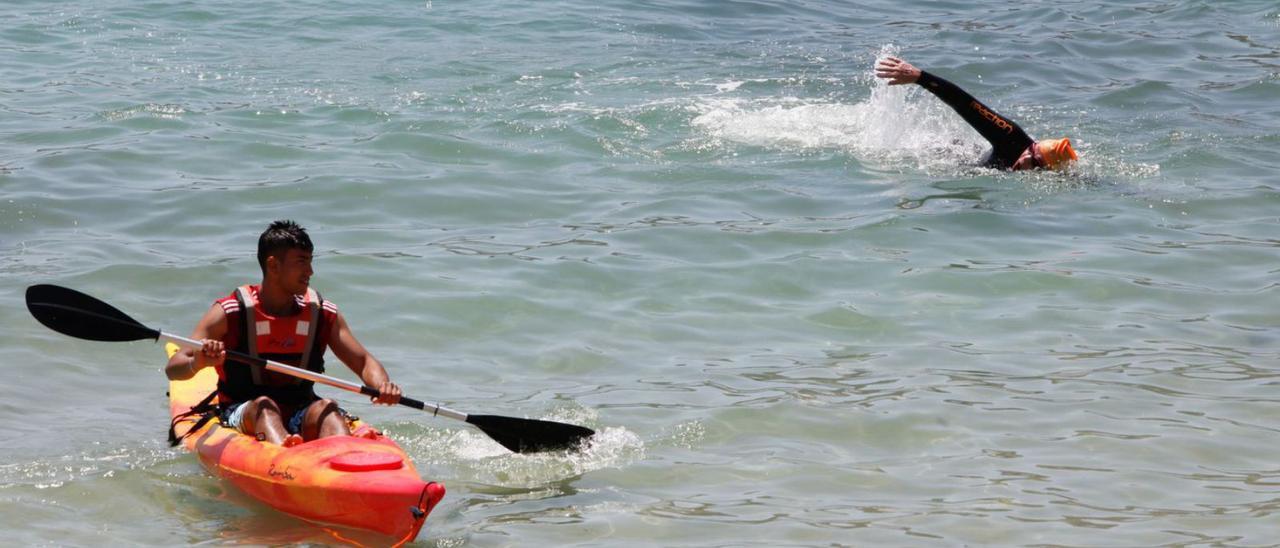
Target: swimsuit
{"points": [[1008, 141]]}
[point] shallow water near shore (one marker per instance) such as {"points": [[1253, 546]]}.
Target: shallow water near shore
{"points": [[792, 310]]}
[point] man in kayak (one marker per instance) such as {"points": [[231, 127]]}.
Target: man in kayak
{"points": [[281, 319], [1011, 147]]}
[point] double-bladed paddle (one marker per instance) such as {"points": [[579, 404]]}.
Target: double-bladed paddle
{"points": [[73, 313]]}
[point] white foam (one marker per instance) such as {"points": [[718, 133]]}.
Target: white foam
{"points": [[892, 124], [474, 455], [729, 86]]}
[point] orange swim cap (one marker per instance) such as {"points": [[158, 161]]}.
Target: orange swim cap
{"points": [[1056, 152]]}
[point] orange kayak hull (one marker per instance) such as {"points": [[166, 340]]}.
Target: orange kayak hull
{"points": [[364, 482]]}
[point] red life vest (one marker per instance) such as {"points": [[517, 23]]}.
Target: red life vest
{"points": [[299, 340]]}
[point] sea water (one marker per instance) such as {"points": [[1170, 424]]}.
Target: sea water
{"points": [[793, 309]]}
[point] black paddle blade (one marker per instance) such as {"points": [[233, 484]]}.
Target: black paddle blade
{"points": [[73, 313], [530, 435]]}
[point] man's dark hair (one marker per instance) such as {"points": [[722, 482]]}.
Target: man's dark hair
{"points": [[279, 238]]}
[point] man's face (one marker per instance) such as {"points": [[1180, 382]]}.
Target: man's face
{"points": [[293, 270], [1026, 161]]}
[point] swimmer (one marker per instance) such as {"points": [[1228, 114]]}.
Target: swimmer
{"points": [[1011, 147]]}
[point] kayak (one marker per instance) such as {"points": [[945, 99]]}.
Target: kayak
{"points": [[363, 481]]}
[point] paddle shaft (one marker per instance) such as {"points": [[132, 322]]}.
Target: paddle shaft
{"points": [[434, 409]]}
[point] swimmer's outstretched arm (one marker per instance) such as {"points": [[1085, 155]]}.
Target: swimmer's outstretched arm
{"points": [[1007, 139]]}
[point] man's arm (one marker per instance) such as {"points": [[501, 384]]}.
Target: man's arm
{"points": [[362, 363], [1007, 139], [210, 329]]}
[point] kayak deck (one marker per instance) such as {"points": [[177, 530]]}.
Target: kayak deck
{"points": [[364, 481]]}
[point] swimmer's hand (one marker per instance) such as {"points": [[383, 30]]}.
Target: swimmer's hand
{"points": [[897, 71]]}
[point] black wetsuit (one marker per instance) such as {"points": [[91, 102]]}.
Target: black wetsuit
{"points": [[1008, 141]]}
